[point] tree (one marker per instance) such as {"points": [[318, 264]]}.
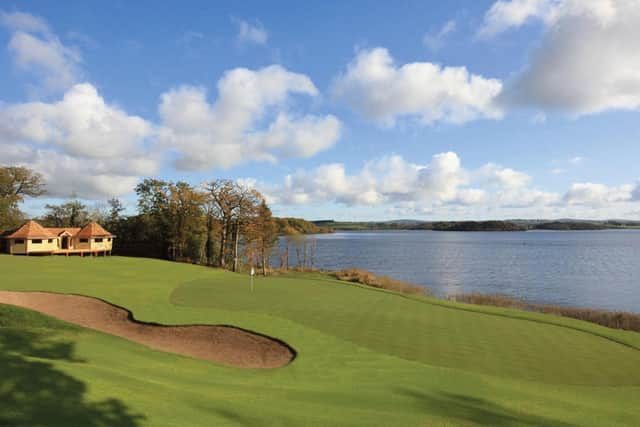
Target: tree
{"points": [[233, 205], [153, 205], [70, 214], [16, 183], [186, 217], [263, 234], [220, 200]]}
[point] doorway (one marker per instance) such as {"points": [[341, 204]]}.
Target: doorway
{"points": [[65, 242]]}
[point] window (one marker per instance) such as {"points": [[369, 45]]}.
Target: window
{"points": [[36, 241], [109, 239], [50, 240], [19, 242], [98, 240], [84, 240]]}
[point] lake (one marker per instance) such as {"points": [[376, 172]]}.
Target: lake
{"points": [[597, 269]]}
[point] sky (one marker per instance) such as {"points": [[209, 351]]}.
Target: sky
{"points": [[352, 110]]}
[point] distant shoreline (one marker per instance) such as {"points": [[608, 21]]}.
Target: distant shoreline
{"points": [[474, 226]]}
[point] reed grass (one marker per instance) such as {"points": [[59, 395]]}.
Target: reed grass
{"points": [[610, 319]]}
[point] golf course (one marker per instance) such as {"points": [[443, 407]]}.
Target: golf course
{"points": [[360, 356]]}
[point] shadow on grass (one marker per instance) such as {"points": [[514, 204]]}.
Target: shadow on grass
{"points": [[34, 393], [470, 410]]}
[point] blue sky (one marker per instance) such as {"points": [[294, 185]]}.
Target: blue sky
{"points": [[349, 110]]}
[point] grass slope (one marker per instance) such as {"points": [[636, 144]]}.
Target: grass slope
{"points": [[365, 357]]}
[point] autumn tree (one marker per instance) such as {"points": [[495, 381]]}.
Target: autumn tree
{"points": [[261, 235], [16, 183]]}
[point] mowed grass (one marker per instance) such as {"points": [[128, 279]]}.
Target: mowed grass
{"points": [[365, 356]]}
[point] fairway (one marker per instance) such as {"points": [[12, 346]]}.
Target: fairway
{"points": [[364, 356]]}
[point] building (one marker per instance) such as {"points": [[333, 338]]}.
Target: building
{"points": [[32, 238]]}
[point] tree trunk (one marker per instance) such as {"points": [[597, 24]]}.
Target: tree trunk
{"points": [[209, 244], [235, 246], [223, 235]]}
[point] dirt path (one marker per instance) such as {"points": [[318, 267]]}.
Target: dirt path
{"points": [[224, 344]]}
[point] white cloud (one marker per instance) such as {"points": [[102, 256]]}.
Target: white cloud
{"points": [[250, 33], [379, 90], [224, 133], [506, 14], [81, 124], [38, 50], [435, 40], [87, 178], [588, 60], [442, 187], [597, 195], [387, 180], [635, 194], [80, 144], [513, 188]]}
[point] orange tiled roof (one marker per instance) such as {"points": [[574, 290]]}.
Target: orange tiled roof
{"points": [[93, 229], [59, 230], [30, 230]]}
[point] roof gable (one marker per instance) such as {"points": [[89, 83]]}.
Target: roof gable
{"points": [[63, 231]]}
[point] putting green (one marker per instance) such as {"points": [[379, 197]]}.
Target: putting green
{"points": [[415, 329]]}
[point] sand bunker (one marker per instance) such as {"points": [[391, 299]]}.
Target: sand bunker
{"points": [[224, 344]]}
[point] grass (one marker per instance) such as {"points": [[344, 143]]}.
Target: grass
{"points": [[610, 319], [366, 356]]}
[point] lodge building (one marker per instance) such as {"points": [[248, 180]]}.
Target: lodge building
{"points": [[32, 238]]}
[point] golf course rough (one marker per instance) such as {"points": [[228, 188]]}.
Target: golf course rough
{"points": [[364, 357]]}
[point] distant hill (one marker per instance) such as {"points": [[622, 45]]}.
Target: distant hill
{"points": [[477, 226], [496, 225]]}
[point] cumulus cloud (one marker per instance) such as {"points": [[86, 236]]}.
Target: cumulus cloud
{"points": [[512, 188], [225, 133], [87, 178], [80, 144], [38, 50], [598, 195], [588, 60], [389, 180], [250, 33], [442, 185], [375, 87], [81, 124]]}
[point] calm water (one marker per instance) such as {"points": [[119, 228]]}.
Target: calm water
{"points": [[580, 268]]}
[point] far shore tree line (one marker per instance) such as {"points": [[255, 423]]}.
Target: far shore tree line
{"points": [[221, 223]]}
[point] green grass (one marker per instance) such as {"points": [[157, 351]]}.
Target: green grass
{"points": [[365, 356]]}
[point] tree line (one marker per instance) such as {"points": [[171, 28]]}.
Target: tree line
{"points": [[220, 223]]}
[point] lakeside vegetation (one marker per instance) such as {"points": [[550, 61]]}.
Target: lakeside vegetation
{"points": [[608, 318], [366, 357], [368, 278]]}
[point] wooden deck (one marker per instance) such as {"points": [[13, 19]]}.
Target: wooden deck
{"points": [[82, 252]]}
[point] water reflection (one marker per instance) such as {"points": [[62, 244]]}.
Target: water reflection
{"points": [[585, 268]]}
